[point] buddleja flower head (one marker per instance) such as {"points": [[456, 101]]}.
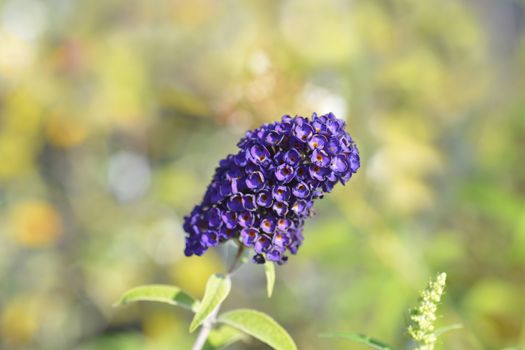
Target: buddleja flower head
{"points": [[262, 195], [423, 317]]}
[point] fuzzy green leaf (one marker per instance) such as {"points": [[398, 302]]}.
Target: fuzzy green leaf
{"points": [[438, 332], [260, 326], [217, 289], [269, 270], [363, 339], [222, 336], [159, 293]]}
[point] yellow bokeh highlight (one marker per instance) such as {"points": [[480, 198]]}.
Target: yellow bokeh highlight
{"points": [[328, 27], [16, 55], [405, 162], [379, 32], [161, 323], [17, 155], [20, 121], [35, 224], [65, 132], [192, 273], [191, 14], [122, 98], [19, 320], [417, 76], [22, 113]]}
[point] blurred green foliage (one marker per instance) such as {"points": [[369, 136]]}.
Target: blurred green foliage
{"points": [[113, 115]]}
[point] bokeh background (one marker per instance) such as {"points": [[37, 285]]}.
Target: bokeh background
{"points": [[114, 114]]}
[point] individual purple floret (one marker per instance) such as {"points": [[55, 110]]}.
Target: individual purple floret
{"points": [[261, 196]]}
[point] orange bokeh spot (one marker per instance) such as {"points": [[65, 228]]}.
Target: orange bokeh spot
{"points": [[35, 224]]}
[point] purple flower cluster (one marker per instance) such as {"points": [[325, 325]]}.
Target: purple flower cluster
{"points": [[262, 195]]}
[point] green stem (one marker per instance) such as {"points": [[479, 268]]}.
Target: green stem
{"points": [[207, 326], [205, 330], [233, 267]]}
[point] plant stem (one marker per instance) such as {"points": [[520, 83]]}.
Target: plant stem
{"points": [[205, 330], [236, 260], [210, 320]]}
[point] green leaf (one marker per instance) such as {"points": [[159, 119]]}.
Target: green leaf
{"points": [[373, 343], [438, 332], [260, 326], [217, 289], [160, 293], [269, 269], [222, 336]]}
